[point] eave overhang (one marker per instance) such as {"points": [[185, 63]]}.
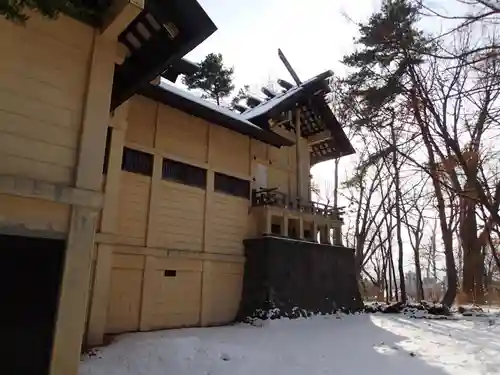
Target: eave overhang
{"points": [[182, 66], [316, 118], [158, 37]]}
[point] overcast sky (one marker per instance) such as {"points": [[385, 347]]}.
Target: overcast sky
{"points": [[313, 34]]}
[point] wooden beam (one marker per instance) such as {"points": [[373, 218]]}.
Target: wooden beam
{"points": [[319, 137], [289, 67], [121, 53], [119, 16], [29, 188]]}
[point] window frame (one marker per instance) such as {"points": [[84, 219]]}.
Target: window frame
{"points": [[186, 177], [246, 194], [135, 167]]}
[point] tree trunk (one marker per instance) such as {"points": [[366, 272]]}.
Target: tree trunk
{"points": [[390, 281], [418, 272], [451, 272], [394, 278], [473, 272], [397, 190]]}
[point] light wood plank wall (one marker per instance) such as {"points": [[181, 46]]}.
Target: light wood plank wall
{"points": [[165, 214], [163, 226], [42, 87]]}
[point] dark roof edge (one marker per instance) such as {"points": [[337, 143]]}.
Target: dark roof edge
{"points": [[196, 109], [294, 94], [344, 146]]}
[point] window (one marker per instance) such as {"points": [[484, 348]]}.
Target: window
{"points": [[184, 173], [232, 185], [107, 150], [136, 161]]}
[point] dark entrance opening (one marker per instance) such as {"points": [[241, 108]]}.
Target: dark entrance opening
{"points": [[30, 275]]}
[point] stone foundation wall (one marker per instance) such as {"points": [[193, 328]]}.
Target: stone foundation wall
{"points": [[291, 275]]}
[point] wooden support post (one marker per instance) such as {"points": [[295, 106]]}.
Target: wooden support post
{"points": [[315, 231], [72, 312], [286, 219], [100, 294], [298, 150], [268, 221], [301, 228], [73, 295], [154, 198], [109, 219], [209, 204], [147, 295]]}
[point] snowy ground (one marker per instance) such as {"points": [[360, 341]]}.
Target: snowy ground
{"points": [[361, 344]]}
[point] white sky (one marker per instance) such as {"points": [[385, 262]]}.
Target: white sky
{"points": [[314, 35]]}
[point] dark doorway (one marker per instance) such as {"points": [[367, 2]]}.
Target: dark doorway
{"points": [[30, 274]]}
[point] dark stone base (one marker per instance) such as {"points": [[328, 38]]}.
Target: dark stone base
{"points": [[286, 277]]}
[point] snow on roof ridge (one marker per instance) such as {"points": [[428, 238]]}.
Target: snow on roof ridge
{"points": [[212, 106], [269, 104]]}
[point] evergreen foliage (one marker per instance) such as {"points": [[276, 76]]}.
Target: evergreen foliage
{"points": [[391, 44], [241, 95], [213, 78], [16, 10]]}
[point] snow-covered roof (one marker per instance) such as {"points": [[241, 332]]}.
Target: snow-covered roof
{"points": [[205, 103], [283, 99], [199, 107]]}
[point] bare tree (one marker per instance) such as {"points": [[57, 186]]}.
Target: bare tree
{"points": [[414, 220]]}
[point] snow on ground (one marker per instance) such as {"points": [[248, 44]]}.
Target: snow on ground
{"points": [[352, 345]]}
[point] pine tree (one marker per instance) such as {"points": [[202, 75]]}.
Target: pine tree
{"points": [[391, 44], [241, 95], [386, 76], [213, 78]]}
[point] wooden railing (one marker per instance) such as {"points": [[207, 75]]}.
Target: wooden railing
{"points": [[275, 198]]}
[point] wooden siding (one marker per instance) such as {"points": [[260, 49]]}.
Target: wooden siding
{"points": [[134, 205], [181, 134], [228, 224], [189, 240], [179, 217], [229, 151], [42, 86], [222, 286], [141, 121], [177, 298], [259, 150], [278, 178], [156, 292], [125, 293]]}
